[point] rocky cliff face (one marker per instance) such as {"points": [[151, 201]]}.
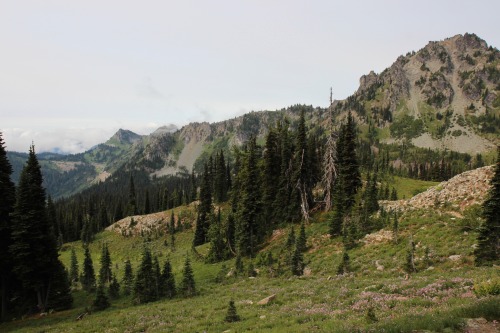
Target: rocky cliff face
{"points": [[446, 95]]}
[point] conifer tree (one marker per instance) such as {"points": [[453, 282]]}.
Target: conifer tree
{"points": [[105, 270], [147, 204], [371, 202], [31, 238], [348, 162], [128, 278], [249, 213], [290, 241], [344, 266], [230, 232], [232, 315], [302, 239], [169, 280], [204, 209], [132, 205], [145, 286], [188, 287], [394, 194], [410, 258], [73, 272], [101, 301], [7, 193], [114, 288], [488, 249], [158, 282], [88, 275], [297, 262], [217, 251], [238, 264], [272, 167]]}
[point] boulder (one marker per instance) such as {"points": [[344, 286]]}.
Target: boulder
{"points": [[267, 300]]}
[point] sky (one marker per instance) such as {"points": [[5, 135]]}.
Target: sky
{"points": [[73, 72]]}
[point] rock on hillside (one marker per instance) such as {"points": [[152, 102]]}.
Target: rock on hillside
{"points": [[461, 191]]}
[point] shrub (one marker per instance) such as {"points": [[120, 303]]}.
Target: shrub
{"points": [[487, 288]]}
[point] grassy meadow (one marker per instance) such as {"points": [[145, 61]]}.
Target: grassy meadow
{"points": [[437, 298]]}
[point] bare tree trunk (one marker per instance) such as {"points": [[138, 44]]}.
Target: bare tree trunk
{"points": [[329, 161], [304, 205]]}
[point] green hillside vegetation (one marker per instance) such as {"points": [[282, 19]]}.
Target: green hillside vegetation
{"points": [[438, 297]]}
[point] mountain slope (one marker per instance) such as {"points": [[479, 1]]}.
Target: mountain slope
{"points": [[445, 96]]}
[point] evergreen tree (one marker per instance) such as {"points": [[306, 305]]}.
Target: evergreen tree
{"points": [[249, 218], [105, 270], [114, 288], [204, 209], [290, 241], [145, 286], [238, 264], [231, 315], [147, 204], [344, 266], [488, 250], [132, 205], [410, 258], [128, 278], [220, 180], [371, 202], [7, 193], [297, 262], [394, 194], [230, 232], [101, 301], [217, 251], [169, 280], [158, 282], [188, 287], [272, 167], [88, 275], [348, 162], [73, 272], [31, 238], [301, 240], [395, 228]]}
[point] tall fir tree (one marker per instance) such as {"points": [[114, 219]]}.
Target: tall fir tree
{"points": [[272, 167], [105, 269], [101, 301], [205, 209], [188, 286], [169, 280], [145, 286], [132, 200], [31, 238], [248, 224], [218, 248], [88, 275], [73, 271], [7, 193], [488, 249], [128, 278]]}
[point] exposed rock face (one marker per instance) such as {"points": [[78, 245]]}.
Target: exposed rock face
{"points": [[441, 85], [461, 191]]}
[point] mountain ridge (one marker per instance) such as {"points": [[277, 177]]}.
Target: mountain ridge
{"points": [[444, 96]]}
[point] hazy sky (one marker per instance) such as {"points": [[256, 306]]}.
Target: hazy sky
{"points": [[74, 72]]}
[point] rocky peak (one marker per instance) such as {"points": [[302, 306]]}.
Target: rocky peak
{"points": [[124, 137]]}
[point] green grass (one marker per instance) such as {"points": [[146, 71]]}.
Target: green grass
{"points": [[437, 299], [407, 187]]}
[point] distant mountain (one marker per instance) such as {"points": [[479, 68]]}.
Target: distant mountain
{"points": [[445, 96]]}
